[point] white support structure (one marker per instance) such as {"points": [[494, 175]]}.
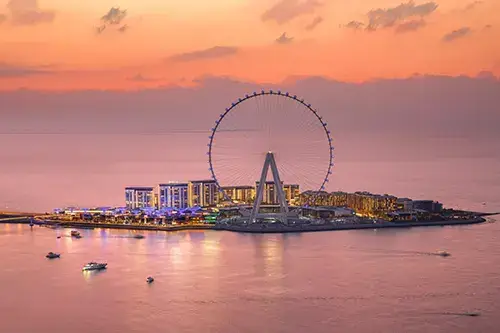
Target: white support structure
{"points": [[270, 162]]}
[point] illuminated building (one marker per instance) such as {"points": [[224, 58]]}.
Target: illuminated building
{"points": [[292, 193], [245, 194], [270, 196], [173, 195], [364, 203], [202, 193], [139, 197]]}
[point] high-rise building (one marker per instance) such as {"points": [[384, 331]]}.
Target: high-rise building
{"points": [[292, 193], [270, 193], [139, 197], [244, 194], [172, 195], [202, 193]]}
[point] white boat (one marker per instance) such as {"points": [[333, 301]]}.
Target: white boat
{"points": [[52, 255], [92, 266], [150, 279], [75, 234]]}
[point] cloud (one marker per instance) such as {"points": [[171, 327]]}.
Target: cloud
{"points": [[456, 34], [27, 12], [317, 20], [13, 71], [123, 28], [286, 10], [473, 5], [284, 39], [355, 25], [409, 26], [114, 16], [388, 17], [140, 78], [211, 53]]}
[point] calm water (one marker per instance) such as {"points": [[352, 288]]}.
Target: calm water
{"points": [[348, 281]]}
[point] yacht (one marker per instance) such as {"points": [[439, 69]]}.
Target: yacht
{"points": [[52, 255], [150, 279], [93, 266]]}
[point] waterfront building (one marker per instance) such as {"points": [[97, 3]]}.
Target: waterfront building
{"points": [[364, 203], [292, 193], [172, 195], [270, 194], [202, 193], [139, 197], [243, 194]]}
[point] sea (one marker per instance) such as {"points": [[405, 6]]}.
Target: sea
{"points": [[218, 281]]}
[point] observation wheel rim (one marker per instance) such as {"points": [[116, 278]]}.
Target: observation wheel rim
{"points": [[255, 94]]}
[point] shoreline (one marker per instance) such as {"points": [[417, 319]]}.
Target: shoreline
{"points": [[245, 229]]}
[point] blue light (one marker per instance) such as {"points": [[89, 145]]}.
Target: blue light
{"points": [[308, 105], [328, 131], [223, 114], [263, 92], [330, 172], [286, 94], [227, 110], [294, 96], [271, 92], [279, 92], [233, 104], [255, 93], [208, 153], [330, 139], [239, 99], [246, 96], [213, 129]]}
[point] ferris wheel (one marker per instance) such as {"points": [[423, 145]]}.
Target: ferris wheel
{"points": [[274, 128]]}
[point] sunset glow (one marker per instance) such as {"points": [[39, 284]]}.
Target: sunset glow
{"points": [[59, 45]]}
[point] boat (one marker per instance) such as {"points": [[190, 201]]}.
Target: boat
{"points": [[75, 234], [443, 254], [139, 236], [150, 279], [52, 255], [59, 236], [93, 266]]}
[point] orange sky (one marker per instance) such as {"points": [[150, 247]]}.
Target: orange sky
{"points": [[53, 44]]}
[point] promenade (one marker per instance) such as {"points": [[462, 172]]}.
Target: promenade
{"points": [[253, 228]]}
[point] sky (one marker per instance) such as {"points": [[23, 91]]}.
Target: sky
{"points": [[72, 44], [96, 96]]}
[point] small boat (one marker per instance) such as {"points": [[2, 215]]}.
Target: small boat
{"points": [[75, 233], [150, 279], [93, 266], [52, 255], [139, 236], [59, 236], [443, 254]]}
